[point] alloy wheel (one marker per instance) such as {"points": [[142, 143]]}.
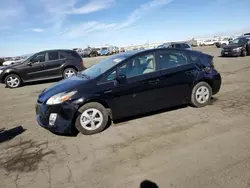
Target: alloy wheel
{"points": [[69, 73], [91, 119], [202, 94], [13, 81]]}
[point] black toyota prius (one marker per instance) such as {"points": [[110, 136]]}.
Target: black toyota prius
{"points": [[125, 85]]}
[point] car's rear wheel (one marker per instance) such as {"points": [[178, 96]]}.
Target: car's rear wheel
{"points": [[201, 94], [69, 72], [92, 118], [12, 81]]}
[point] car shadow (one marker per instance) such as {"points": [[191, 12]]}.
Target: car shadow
{"points": [[227, 56], [7, 135], [24, 156], [148, 184], [41, 82], [149, 114]]}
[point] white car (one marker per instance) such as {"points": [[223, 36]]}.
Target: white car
{"points": [[223, 42], [208, 42], [12, 62]]}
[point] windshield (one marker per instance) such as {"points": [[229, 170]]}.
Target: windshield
{"points": [[238, 41], [104, 48], [101, 67]]}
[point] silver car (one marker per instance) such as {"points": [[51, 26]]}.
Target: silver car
{"points": [[182, 45]]}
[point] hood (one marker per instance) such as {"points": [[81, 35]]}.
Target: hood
{"points": [[10, 66], [65, 85], [233, 46]]}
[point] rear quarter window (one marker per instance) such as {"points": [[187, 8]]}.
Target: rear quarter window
{"points": [[70, 54]]}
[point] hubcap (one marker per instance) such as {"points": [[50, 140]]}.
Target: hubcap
{"points": [[69, 73], [202, 94], [13, 81], [91, 119]]}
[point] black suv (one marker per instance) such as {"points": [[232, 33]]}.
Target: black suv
{"points": [[43, 65], [237, 47]]}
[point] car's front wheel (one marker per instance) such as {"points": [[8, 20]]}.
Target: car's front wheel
{"points": [[201, 94], [12, 81], [92, 118], [244, 53], [69, 72]]}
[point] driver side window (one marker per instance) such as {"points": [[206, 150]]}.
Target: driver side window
{"points": [[138, 66], [39, 58]]}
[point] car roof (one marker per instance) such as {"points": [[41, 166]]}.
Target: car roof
{"points": [[55, 50], [136, 52]]}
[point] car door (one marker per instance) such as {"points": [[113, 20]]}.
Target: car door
{"points": [[53, 64], [177, 77], [137, 93], [33, 69]]}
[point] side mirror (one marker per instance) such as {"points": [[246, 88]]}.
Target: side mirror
{"points": [[29, 63], [121, 78]]}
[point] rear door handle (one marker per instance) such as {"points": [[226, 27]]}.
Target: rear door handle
{"points": [[154, 81], [108, 91]]}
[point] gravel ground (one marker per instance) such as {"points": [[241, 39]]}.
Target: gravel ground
{"points": [[185, 147]]}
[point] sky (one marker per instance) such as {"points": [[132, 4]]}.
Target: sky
{"points": [[29, 26]]}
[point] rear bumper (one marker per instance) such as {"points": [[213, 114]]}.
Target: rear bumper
{"points": [[216, 83]]}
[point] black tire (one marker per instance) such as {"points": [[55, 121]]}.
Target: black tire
{"points": [[244, 53], [13, 76], [194, 100], [67, 70], [88, 106]]}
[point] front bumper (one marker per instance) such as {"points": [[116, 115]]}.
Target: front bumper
{"points": [[230, 53], [64, 122]]}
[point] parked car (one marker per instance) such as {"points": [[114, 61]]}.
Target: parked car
{"points": [[238, 47], [223, 42], [128, 84], [90, 52], [122, 50], [98, 51], [105, 51], [44, 65], [1, 61], [12, 61], [209, 42], [115, 50], [175, 45]]}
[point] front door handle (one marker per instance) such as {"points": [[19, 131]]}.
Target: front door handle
{"points": [[154, 81], [108, 91]]}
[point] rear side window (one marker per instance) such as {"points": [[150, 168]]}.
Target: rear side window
{"points": [[171, 59], [53, 56], [177, 46], [184, 45], [65, 54]]}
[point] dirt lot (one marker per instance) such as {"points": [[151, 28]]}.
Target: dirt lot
{"points": [[186, 147]]}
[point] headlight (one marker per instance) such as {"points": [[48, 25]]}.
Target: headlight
{"points": [[60, 98], [1, 71], [237, 49]]}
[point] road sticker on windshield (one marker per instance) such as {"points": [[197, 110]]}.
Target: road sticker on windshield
{"points": [[117, 60]]}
